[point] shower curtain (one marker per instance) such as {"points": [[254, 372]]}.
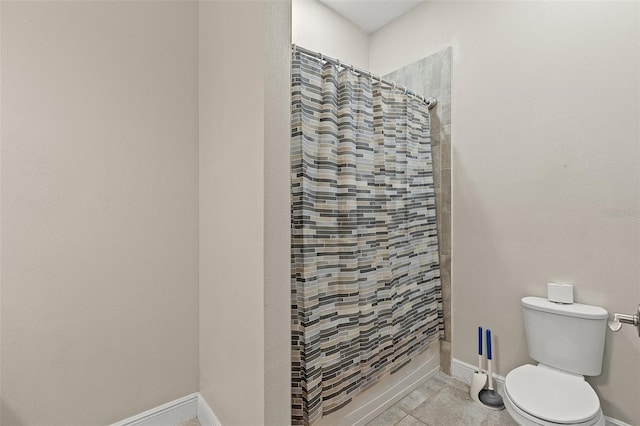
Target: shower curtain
{"points": [[366, 293]]}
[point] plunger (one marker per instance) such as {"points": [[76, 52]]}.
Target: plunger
{"points": [[479, 378], [489, 397]]}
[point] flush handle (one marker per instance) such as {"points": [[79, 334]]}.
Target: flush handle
{"points": [[615, 323]]}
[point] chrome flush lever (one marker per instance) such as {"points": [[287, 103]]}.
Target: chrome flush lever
{"points": [[615, 324]]}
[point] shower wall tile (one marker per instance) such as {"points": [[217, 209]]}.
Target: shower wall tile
{"points": [[435, 136], [445, 243], [445, 271], [445, 175], [446, 114], [435, 121], [445, 224], [436, 155], [445, 357], [431, 77], [445, 87], [446, 276], [445, 138]]}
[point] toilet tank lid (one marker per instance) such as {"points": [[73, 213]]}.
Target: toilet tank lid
{"points": [[574, 309]]}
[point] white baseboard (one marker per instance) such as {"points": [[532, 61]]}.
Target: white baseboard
{"points": [[205, 413], [464, 372], [175, 412], [609, 421]]}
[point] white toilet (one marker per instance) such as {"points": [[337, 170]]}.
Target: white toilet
{"points": [[568, 342]]}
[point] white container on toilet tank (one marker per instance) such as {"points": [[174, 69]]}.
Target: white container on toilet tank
{"points": [[560, 293]]}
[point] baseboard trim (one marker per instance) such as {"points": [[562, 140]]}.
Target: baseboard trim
{"points": [[464, 372], [609, 421], [175, 412], [205, 413]]}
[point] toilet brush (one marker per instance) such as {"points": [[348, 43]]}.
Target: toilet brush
{"points": [[479, 379], [489, 397]]}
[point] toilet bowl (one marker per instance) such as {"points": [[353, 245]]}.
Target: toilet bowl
{"points": [[567, 340], [541, 395]]}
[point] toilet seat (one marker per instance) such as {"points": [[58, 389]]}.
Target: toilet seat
{"points": [[552, 396], [525, 419]]}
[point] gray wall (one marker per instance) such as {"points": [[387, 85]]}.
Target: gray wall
{"points": [[244, 211], [277, 214], [136, 145], [545, 166], [99, 209]]}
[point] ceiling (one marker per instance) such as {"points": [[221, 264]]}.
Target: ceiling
{"points": [[371, 14]]}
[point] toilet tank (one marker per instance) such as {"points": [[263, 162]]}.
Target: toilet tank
{"points": [[565, 336]]}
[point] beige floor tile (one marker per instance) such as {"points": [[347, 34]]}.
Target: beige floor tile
{"points": [[499, 418], [451, 406], [410, 421], [441, 401], [388, 418], [421, 394], [454, 382]]}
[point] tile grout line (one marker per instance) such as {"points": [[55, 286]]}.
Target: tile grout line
{"points": [[402, 418]]}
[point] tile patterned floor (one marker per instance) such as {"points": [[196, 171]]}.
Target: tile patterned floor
{"points": [[442, 401]]}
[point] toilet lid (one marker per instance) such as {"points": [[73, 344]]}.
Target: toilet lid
{"points": [[552, 395]]}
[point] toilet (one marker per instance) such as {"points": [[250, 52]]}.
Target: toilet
{"points": [[567, 340]]}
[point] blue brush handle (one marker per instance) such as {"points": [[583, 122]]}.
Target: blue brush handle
{"points": [[479, 340], [488, 344]]}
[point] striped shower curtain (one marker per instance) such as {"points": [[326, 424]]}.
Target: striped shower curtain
{"points": [[366, 293]]}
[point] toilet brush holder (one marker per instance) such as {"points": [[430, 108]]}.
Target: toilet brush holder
{"points": [[479, 379]]}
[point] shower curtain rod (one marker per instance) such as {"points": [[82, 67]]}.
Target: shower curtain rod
{"points": [[431, 102]]}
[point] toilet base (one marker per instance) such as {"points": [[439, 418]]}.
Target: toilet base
{"points": [[525, 419]]}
